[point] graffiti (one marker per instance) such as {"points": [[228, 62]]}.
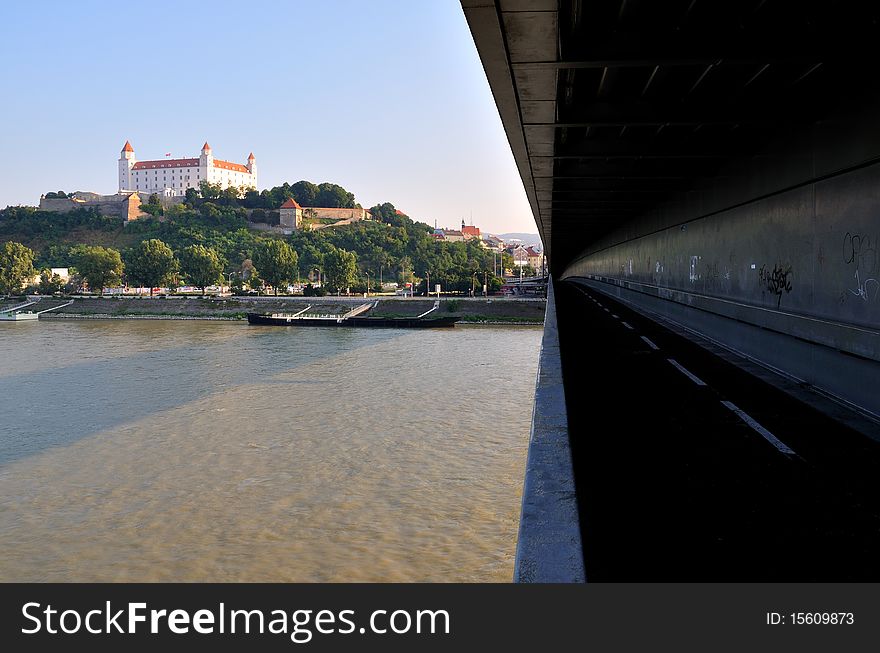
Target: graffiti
{"points": [[776, 281], [694, 276], [860, 252], [864, 288]]}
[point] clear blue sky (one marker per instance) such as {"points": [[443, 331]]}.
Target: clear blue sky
{"points": [[386, 98]]}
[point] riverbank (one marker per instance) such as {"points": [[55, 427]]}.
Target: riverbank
{"points": [[513, 311]]}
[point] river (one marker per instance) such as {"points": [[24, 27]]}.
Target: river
{"points": [[212, 451]]}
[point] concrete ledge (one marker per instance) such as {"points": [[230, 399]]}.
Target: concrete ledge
{"points": [[549, 547]]}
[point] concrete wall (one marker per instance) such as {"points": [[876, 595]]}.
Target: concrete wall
{"points": [[780, 261], [549, 548], [335, 214], [125, 207]]}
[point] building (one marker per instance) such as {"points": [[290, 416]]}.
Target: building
{"points": [[126, 206], [493, 243], [449, 235], [291, 216], [535, 259], [61, 273], [469, 231], [172, 177], [520, 255]]}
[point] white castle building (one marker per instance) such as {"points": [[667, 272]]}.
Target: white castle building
{"points": [[170, 177]]}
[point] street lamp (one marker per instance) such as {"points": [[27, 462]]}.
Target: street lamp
{"points": [[368, 282], [473, 282], [428, 284]]}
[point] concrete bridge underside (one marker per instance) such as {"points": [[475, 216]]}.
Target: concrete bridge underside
{"points": [[712, 166]]}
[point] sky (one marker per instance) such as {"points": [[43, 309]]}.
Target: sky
{"points": [[387, 98]]}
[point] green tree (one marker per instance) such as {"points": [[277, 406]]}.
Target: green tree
{"points": [[201, 266], [16, 267], [208, 190], [230, 195], [100, 267], [153, 206], [151, 263], [254, 282], [237, 286], [334, 196], [192, 196], [277, 262], [49, 283], [340, 269], [405, 271], [305, 193]]}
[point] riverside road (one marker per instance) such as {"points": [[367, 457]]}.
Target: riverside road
{"points": [[689, 468]]}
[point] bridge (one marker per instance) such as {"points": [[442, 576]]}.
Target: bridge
{"points": [[705, 177], [526, 285]]}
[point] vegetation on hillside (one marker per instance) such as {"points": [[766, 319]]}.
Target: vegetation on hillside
{"points": [[391, 247]]}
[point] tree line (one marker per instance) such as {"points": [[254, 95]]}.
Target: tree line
{"points": [[153, 264], [390, 247]]}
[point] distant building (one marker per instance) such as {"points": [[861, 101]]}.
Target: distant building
{"points": [[520, 255], [449, 235], [291, 216], [171, 177], [493, 242], [535, 259], [62, 273], [469, 231]]}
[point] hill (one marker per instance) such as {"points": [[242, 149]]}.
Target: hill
{"points": [[527, 239]]}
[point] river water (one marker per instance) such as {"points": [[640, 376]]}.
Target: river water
{"points": [[211, 451]]}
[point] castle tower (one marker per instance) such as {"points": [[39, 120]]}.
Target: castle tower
{"points": [[252, 167], [207, 157], [127, 160], [291, 214]]}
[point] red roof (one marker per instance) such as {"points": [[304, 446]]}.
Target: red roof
{"points": [[167, 163], [187, 163], [532, 252], [290, 204], [452, 232], [251, 156], [228, 165], [470, 231], [206, 146], [127, 147]]}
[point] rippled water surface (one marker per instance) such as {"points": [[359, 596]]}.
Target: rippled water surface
{"points": [[206, 451]]}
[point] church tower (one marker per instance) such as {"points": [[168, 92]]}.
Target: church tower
{"points": [[127, 160]]}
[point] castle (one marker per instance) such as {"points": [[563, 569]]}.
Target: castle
{"points": [[291, 216], [171, 177]]}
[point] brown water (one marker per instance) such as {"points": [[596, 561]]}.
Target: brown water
{"points": [[205, 451]]}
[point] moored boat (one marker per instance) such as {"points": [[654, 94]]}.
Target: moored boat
{"points": [[281, 319]]}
